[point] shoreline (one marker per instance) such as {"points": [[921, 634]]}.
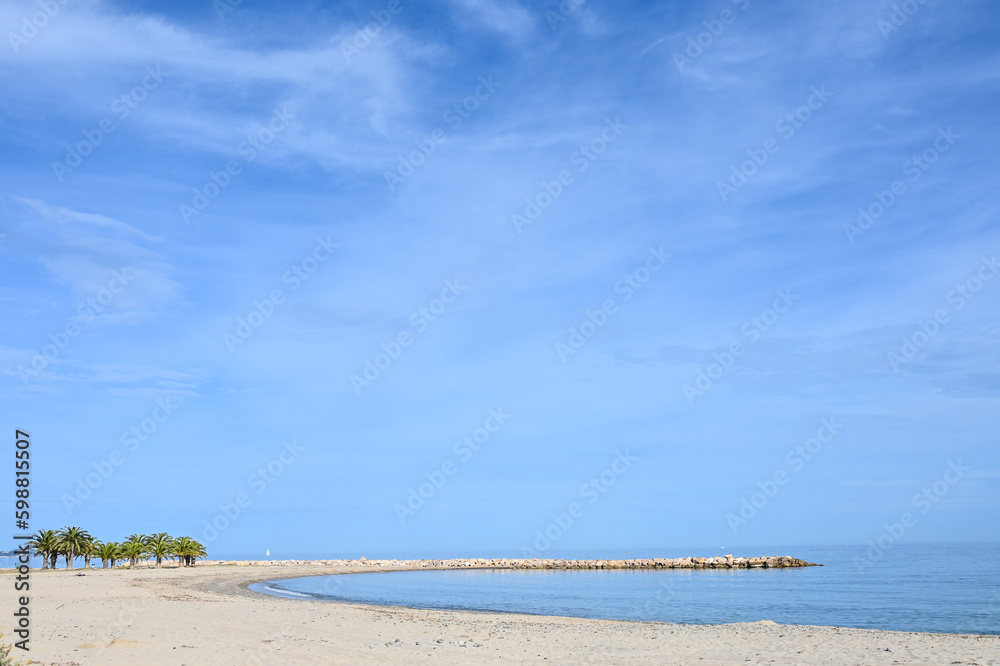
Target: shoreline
{"points": [[389, 566], [208, 615], [304, 596]]}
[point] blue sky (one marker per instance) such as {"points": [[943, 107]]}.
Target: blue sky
{"points": [[217, 216]]}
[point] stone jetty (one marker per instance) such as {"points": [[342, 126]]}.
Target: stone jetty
{"points": [[720, 562]]}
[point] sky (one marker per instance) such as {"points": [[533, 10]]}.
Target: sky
{"points": [[495, 277]]}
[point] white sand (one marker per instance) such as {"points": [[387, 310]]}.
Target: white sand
{"points": [[204, 617]]}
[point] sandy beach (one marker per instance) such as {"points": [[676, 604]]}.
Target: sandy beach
{"points": [[206, 616]]}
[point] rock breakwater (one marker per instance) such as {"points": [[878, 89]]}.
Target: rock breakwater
{"points": [[720, 562]]}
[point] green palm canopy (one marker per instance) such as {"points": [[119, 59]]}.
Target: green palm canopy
{"points": [[73, 542], [159, 545], [43, 543]]}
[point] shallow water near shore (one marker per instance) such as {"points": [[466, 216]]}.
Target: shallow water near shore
{"points": [[951, 589]]}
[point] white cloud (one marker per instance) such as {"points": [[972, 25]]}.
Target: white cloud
{"points": [[85, 252], [88, 56], [66, 216]]}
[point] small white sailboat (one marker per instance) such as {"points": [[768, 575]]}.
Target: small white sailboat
{"points": [[267, 553]]}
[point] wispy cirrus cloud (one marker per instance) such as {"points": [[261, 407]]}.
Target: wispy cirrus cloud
{"points": [[81, 252]]}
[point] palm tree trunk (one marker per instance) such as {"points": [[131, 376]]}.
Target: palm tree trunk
{"points": [[86, 561], [69, 560]]}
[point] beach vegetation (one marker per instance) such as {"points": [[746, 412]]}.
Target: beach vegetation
{"points": [[188, 551], [71, 543], [158, 546], [43, 543], [108, 552], [6, 659], [134, 549]]}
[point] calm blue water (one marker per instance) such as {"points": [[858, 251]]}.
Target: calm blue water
{"points": [[910, 588]]}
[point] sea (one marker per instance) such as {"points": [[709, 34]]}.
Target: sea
{"points": [[926, 588]]}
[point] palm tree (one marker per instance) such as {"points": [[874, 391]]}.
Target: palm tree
{"points": [[43, 542], [134, 537], [159, 545], [182, 546], [88, 551], [188, 550], [134, 549], [108, 552], [197, 552], [72, 542]]}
